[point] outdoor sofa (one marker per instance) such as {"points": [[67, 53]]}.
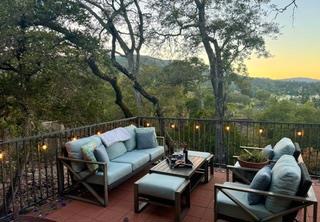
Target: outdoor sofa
{"points": [[110, 164]]}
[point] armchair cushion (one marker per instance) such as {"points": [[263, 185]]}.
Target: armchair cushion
{"points": [[116, 150], [286, 176], [284, 146], [227, 207], [74, 151], [261, 181], [268, 151], [131, 143], [87, 152], [146, 138]]}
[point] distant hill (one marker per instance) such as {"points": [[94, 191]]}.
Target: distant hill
{"points": [[290, 86], [301, 79]]}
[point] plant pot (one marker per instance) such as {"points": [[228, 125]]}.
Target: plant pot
{"points": [[252, 164]]}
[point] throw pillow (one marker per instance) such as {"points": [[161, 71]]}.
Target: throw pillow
{"points": [[268, 151], [146, 138], [101, 154], [284, 146], [261, 181], [116, 150], [110, 137], [131, 143], [74, 151], [87, 152], [286, 176]]}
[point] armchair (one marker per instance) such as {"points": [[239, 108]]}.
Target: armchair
{"points": [[230, 202], [245, 175]]}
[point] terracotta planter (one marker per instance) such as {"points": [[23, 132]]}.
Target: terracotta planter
{"points": [[252, 164]]}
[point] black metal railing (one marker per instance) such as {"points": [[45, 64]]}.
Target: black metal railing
{"points": [[29, 172], [199, 134]]}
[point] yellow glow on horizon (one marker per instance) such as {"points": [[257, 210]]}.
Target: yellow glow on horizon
{"points": [[284, 65]]}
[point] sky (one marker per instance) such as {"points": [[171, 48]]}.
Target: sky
{"points": [[296, 52]]}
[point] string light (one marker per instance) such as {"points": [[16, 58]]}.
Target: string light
{"points": [[74, 138], [197, 126], [44, 147], [98, 133], [228, 128], [299, 133], [172, 125], [147, 124], [260, 131], [1, 155]]}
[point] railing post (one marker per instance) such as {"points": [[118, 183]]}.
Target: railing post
{"points": [[60, 173]]}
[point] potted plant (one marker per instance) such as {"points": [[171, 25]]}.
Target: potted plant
{"points": [[252, 159]]}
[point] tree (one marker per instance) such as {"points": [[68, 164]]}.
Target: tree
{"points": [[229, 31]]}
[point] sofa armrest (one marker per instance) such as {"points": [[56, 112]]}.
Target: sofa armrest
{"points": [[80, 161], [161, 140]]}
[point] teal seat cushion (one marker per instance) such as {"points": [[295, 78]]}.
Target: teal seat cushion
{"points": [[116, 171], [101, 154], [135, 159], [158, 185], [227, 207], [152, 152], [131, 143], [261, 181], [146, 138], [268, 151], [286, 176], [115, 150], [74, 150], [198, 153], [284, 146]]}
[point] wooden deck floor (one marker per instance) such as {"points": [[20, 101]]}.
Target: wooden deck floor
{"points": [[120, 207]]}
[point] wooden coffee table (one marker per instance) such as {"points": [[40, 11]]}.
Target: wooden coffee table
{"points": [[194, 174]]}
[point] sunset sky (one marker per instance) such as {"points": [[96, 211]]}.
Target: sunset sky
{"points": [[296, 52]]}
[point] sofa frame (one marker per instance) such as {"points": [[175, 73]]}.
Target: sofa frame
{"points": [[77, 179]]}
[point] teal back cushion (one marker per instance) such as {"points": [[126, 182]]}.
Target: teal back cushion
{"points": [[101, 154], [286, 176], [116, 150], [131, 143], [261, 181], [284, 146], [146, 138], [74, 150], [268, 151]]}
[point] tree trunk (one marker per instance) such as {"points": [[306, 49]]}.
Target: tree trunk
{"points": [[132, 68], [114, 83], [218, 87]]}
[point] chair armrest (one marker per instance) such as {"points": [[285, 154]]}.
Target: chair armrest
{"points": [[80, 161], [231, 167], [264, 193], [162, 139], [250, 148]]}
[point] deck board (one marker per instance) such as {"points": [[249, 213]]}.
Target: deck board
{"points": [[120, 207]]}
